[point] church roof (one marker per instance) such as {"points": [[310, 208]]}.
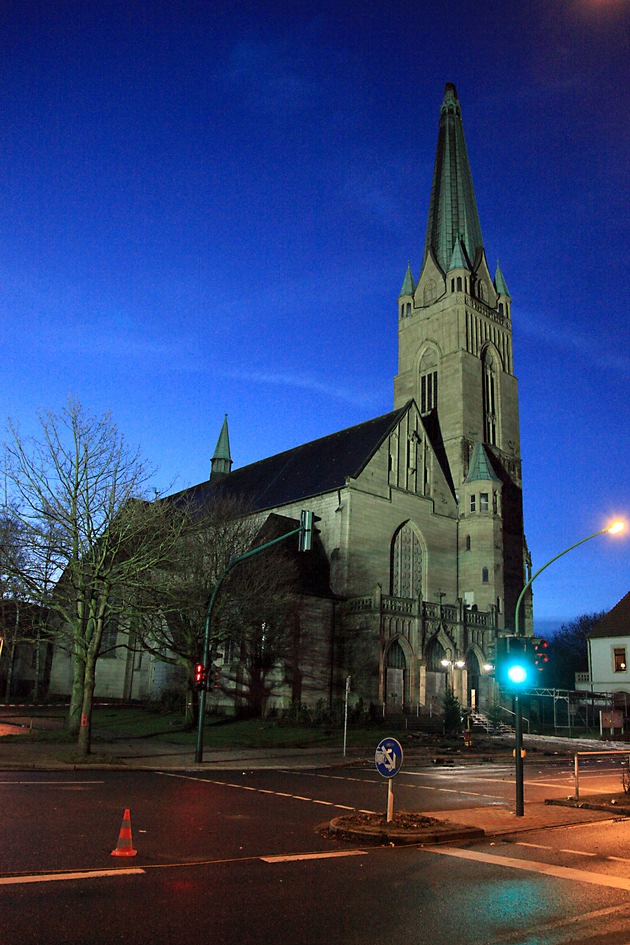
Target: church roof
{"points": [[453, 208], [458, 258], [307, 470], [480, 467], [408, 286], [500, 283], [616, 623], [222, 450]]}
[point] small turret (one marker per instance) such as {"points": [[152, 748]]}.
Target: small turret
{"points": [[405, 299], [221, 462], [502, 291]]}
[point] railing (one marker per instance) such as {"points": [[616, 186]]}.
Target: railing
{"points": [[412, 607], [579, 754]]}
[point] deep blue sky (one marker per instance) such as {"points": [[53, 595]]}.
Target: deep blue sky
{"points": [[208, 207]]}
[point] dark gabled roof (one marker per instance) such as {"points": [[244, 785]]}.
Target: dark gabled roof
{"points": [[311, 469], [616, 623]]}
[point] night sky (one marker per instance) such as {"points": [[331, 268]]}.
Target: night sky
{"points": [[208, 208]]}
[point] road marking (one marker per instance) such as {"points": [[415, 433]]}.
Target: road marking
{"points": [[577, 852], [65, 783], [532, 866], [246, 787], [288, 858], [58, 877], [541, 846]]}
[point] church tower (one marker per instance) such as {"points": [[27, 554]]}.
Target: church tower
{"points": [[455, 360]]}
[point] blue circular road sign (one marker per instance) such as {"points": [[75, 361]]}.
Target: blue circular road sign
{"points": [[389, 757]]}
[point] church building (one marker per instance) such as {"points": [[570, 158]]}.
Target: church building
{"points": [[419, 512], [420, 552]]}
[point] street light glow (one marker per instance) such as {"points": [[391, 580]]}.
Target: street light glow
{"points": [[615, 528]]}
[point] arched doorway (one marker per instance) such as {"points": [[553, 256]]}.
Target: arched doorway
{"points": [[395, 671], [474, 681]]}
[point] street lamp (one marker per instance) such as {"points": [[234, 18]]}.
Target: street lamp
{"points": [[518, 680], [451, 664]]}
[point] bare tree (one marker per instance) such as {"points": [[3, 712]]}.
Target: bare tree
{"points": [[91, 536], [568, 650], [254, 609]]}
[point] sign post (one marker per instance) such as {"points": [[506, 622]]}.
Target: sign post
{"points": [[345, 716], [388, 760]]}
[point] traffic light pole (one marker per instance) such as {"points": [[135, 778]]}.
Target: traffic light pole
{"points": [[518, 729], [518, 707], [304, 531]]}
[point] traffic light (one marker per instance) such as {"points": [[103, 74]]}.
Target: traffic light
{"points": [[200, 677], [514, 663], [541, 656], [306, 530]]}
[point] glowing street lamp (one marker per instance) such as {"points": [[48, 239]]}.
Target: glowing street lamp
{"points": [[520, 673]]}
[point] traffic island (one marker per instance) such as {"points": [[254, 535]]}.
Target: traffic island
{"points": [[405, 827], [615, 803]]}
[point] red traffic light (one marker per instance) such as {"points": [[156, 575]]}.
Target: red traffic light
{"points": [[540, 656], [200, 676]]}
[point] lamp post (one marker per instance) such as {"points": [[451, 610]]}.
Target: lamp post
{"points": [[613, 529], [448, 663]]}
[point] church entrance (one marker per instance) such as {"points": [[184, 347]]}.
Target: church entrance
{"points": [[474, 681], [395, 678]]}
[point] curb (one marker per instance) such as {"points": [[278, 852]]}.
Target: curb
{"points": [[440, 833], [622, 809]]}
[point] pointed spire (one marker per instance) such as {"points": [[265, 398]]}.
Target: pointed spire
{"points": [[221, 462], [458, 259], [500, 283], [453, 208], [409, 285], [480, 467]]}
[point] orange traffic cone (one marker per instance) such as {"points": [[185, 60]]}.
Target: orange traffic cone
{"points": [[124, 846]]}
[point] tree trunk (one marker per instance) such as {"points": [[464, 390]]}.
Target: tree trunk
{"points": [[84, 742], [77, 695]]}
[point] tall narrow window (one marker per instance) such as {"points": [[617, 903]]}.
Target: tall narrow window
{"points": [[428, 382], [490, 399], [406, 563], [619, 659]]}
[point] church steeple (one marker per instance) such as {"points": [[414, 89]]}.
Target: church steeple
{"points": [[221, 462], [455, 361], [453, 208]]}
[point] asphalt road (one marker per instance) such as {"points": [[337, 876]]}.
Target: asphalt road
{"points": [[242, 856]]}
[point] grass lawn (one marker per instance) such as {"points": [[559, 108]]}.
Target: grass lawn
{"points": [[112, 722]]}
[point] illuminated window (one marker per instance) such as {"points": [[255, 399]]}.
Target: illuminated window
{"points": [[619, 659], [483, 502]]}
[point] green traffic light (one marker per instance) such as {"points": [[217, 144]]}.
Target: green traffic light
{"points": [[517, 674]]}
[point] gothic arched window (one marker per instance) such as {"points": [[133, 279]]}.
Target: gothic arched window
{"points": [[406, 563], [428, 382], [490, 398]]}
